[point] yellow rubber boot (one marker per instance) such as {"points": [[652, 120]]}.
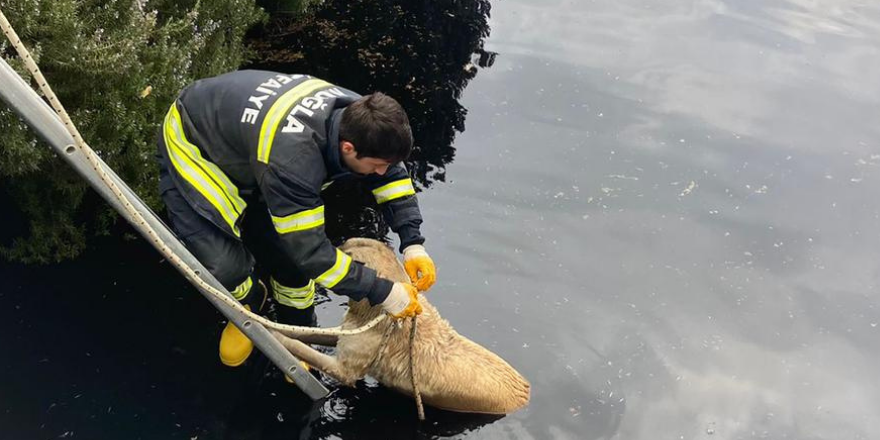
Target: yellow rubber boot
{"points": [[235, 347]]}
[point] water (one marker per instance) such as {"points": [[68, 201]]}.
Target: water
{"points": [[663, 214]]}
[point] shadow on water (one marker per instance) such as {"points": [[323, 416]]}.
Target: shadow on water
{"points": [[346, 410], [421, 53], [370, 411]]}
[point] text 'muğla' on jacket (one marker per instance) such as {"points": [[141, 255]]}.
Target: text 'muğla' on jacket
{"points": [[278, 134]]}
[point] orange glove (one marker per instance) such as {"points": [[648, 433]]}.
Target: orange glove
{"points": [[403, 301], [419, 267]]}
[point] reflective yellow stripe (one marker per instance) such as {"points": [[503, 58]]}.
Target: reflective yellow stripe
{"points": [[229, 189], [203, 175], [242, 290], [394, 190], [299, 221], [277, 114], [299, 297], [336, 273]]}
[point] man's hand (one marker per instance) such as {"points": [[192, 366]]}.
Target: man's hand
{"points": [[419, 267], [403, 301]]}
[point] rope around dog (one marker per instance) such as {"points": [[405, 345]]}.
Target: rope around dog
{"points": [[412, 361], [163, 248], [412, 370]]}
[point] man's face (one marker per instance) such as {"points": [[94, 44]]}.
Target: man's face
{"points": [[364, 165]]}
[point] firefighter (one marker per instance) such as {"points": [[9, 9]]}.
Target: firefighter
{"points": [[243, 159]]}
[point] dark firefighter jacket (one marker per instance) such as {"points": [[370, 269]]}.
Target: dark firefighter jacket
{"points": [[278, 134]]}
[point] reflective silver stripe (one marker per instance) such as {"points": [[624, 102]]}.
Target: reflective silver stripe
{"points": [[394, 190], [203, 175], [326, 185], [299, 221], [242, 290], [299, 297], [336, 273]]}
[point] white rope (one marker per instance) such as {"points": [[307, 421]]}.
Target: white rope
{"points": [[420, 408], [143, 224]]}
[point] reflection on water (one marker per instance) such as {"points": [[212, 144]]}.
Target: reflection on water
{"points": [[346, 410], [700, 215], [266, 411], [421, 53]]}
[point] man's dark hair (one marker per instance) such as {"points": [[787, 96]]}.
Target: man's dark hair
{"points": [[378, 127]]}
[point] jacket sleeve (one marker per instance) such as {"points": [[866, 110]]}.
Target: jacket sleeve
{"points": [[396, 196], [297, 213]]}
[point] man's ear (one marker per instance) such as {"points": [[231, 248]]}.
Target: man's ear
{"points": [[347, 147]]}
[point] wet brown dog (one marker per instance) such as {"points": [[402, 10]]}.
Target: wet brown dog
{"points": [[454, 373]]}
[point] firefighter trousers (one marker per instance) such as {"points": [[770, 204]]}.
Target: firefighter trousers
{"points": [[232, 260]]}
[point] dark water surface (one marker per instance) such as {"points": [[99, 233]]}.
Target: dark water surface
{"points": [[664, 214]]}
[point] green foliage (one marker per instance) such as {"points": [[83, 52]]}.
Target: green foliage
{"points": [[285, 6], [116, 66]]}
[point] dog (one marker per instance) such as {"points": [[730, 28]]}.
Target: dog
{"points": [[453, 372]]}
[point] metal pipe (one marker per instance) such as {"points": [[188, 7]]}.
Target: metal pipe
{"points": [[43, 120]]}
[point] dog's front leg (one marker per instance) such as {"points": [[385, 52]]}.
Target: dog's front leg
{"points": [[327, 364], [325, 340]]}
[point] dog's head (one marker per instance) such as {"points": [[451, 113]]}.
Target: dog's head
{"points": [[377, 256]]}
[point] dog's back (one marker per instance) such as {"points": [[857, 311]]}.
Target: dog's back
{"points": [[453, 372]]}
